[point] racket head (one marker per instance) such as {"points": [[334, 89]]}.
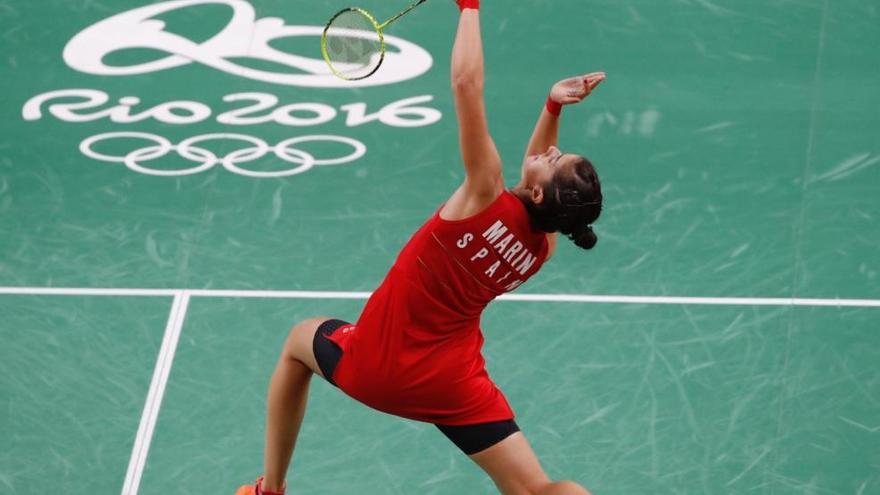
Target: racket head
{"points": [[352, 44]]}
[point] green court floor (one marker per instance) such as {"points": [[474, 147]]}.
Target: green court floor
{"points": [[738, 148]]}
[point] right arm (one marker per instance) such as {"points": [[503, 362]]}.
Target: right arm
{"points": [[483, 180]]}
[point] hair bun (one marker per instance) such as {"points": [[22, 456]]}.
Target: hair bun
{"points": [[584, 238]]}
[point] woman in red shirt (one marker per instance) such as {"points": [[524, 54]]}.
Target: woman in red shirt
{"points": [[415, 350]]}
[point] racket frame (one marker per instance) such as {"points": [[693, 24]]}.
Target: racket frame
{"points": [[378, 27]]}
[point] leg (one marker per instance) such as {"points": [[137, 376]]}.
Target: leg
{"points": [[515, 469], [288, 394]]}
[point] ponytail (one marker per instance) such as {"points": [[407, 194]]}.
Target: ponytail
{"points": [[584, 238]]}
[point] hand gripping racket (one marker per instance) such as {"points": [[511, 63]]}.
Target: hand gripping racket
{"points": [[353, 44]]}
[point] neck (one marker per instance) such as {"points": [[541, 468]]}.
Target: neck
{"points": [[522, 193], [520, 190]]}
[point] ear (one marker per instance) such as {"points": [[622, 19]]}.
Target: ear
{"points": [[537, 193]]}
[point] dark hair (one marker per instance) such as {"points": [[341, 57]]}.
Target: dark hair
{"points": [[572, 202]]}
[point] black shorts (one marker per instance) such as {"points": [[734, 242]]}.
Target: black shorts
{"points": [[471, 439], [327, 353]]}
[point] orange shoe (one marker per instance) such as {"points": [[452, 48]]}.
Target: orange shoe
{"points": [[247, 490]]}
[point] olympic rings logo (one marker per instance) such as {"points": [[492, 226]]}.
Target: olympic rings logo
{"points": [[256, 148]]}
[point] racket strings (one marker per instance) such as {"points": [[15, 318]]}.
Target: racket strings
{"points": [[353, 45]]}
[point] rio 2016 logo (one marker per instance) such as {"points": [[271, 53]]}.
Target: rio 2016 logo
{"points": [[244, 36]]}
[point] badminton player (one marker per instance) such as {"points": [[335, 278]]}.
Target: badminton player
{"points": [[415, 351]]}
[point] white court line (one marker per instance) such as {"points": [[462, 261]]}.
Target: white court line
{"points": [[711, 301], [154, 396], [282, 294], [581, 298], [71, 291]]}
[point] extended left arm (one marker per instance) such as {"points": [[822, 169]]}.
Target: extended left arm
{"points": [[566, 92]]}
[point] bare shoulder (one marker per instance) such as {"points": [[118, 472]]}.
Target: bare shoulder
{"points": [[469, 200]]}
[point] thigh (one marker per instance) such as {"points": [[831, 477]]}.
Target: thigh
{"points": [[513, 466]]}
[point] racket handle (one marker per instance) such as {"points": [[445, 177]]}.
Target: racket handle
{"points": [[553, 107], [468, 4]]}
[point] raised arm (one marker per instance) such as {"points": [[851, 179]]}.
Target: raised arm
{"points": [[482, 162], [565, 92]]}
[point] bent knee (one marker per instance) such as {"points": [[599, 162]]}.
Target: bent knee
{"points": [[301, 336]]}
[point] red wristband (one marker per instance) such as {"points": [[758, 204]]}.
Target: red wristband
{"points": [[468, 4], [553, 107]]}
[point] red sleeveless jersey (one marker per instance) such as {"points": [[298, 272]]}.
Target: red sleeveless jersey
{"points": [[416, 348]]}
